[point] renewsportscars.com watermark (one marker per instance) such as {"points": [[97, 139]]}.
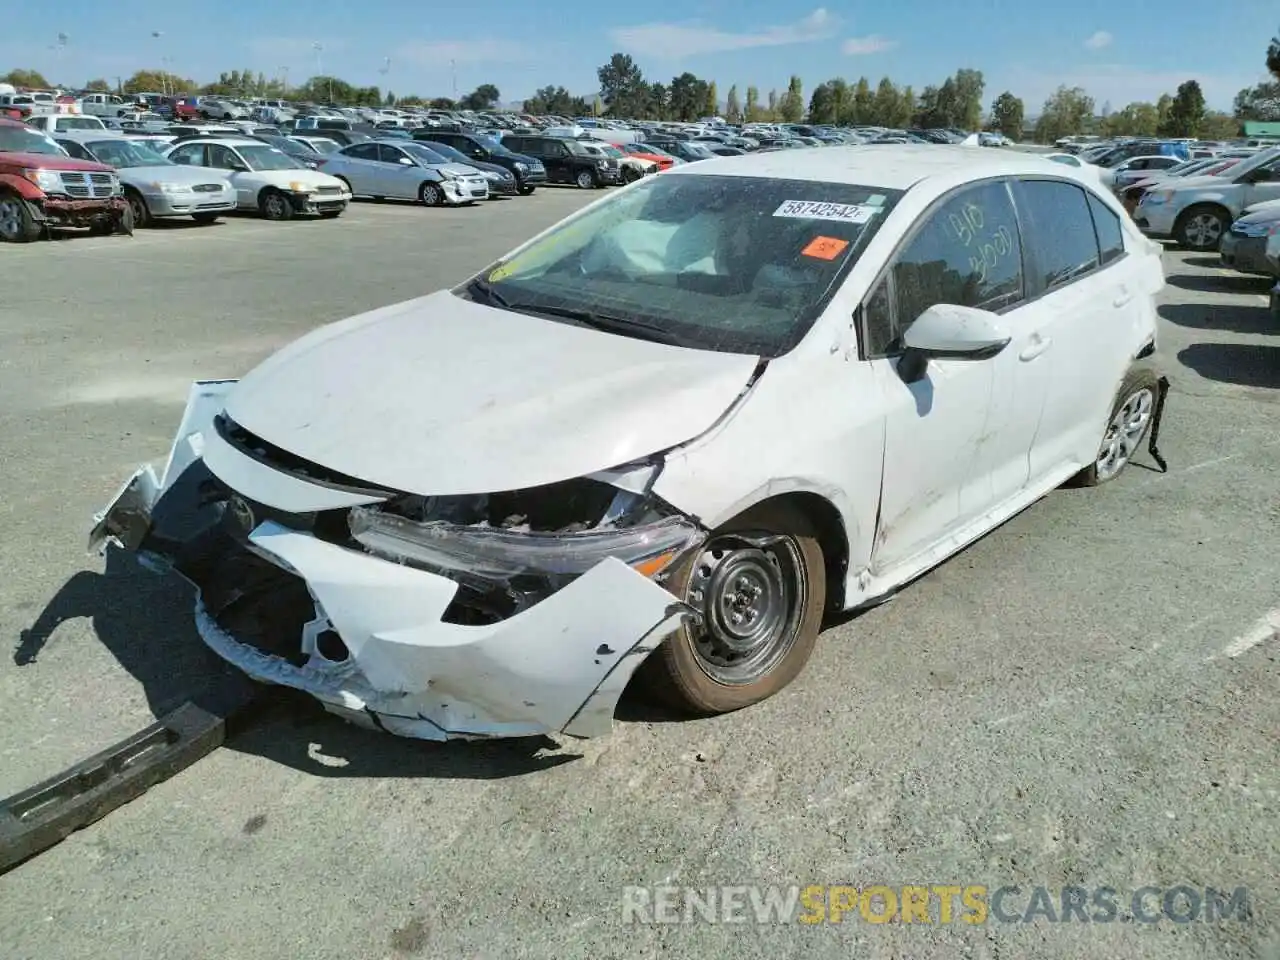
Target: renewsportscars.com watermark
{"points": [[933, 903]]}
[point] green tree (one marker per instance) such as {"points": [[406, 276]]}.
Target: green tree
{"points": [[1186, 113], [556, 101], [483, 97], [442, 103], [1069, 110], [732, 108], [771, 111], [688, 96], [1258, 103], [841, 100], [1219, 126], [658, 102], [863, 102], [1135, 120], [1273, 56], [1007, 113], [158, 81], [792, 106], [1163, 106], [822, 104], [622, 86], [713, 100], [906, 107], [98, 86], [969, 86], [752, 109], [885, 105], [25, 78]]}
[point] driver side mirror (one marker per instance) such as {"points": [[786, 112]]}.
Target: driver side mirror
{"points": [[1262, 175], [237, 166], [948, 331], [405, 162]]}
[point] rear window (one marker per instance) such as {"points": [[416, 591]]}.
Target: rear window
{"points": [[1108, 229]]}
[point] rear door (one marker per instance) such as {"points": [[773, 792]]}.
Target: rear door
{"points": [[1089, 303]]}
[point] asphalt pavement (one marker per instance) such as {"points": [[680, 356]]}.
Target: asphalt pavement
{"points": [[1084, 698]]}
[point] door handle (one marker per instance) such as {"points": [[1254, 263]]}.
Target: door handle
{"points": [[1123, 297], [1037, 346]]}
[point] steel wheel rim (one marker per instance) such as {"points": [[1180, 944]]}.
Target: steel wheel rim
{"points": [[431, 195], [10, 217], [1124, 433], [275, 206], [751, 591], [1203, 229]]}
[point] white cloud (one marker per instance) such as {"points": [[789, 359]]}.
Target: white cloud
{"points": [[434, 53], [1099, 40], [861, 46], [676, 41]]}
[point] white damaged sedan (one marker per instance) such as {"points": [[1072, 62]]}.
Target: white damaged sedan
{"points": [[675, 429]]}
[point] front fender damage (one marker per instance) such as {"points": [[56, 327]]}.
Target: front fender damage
{"points": [[372, 638]]}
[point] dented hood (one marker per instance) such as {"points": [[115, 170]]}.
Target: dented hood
{"points": [[444, 396]]}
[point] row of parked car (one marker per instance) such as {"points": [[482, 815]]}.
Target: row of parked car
{"points": [[66, 170]]}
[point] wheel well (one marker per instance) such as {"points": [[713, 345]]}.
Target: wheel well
{"points": [[832, 538], [1212, 204]]}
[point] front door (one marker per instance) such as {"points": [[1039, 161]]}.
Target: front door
{"points": [[957, 440], [1266, 188]]}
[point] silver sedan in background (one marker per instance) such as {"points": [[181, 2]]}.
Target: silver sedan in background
{"points": [[407, 171]]}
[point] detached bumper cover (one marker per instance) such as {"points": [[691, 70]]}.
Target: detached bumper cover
{"points": [[67, 211], [558, 666]]}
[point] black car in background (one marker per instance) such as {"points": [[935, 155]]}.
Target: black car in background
{"points": [[506, 185], [567, 161], [528, 171]]}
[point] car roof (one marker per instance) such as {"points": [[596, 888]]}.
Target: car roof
{"points": [[225, 141], [894, 168], [92, 134]]}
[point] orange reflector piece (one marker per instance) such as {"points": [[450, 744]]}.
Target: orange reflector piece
{"points": [[654, 565]]}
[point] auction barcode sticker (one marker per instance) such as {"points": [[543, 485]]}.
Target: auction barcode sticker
{"points": [[820, 210]]}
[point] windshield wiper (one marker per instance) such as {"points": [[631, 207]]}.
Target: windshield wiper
{"points": [[483, 288], [641, 329]]}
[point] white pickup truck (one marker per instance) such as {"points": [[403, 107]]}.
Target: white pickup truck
{"points": [[61, 122], [106, 105], [27, 105]]}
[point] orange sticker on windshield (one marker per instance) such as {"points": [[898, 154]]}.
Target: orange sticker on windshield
{"points": [[825, 248]]}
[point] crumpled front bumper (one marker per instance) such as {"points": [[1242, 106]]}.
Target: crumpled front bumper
{"points": [[63, 211], [558, 666]]}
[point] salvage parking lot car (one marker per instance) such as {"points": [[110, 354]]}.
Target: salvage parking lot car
{"points": [[675, 429], [265, 179], [40, 185], [1244, 246], [405, 170], [155, 187]]}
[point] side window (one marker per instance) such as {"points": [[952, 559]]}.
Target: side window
{"points": [[388, 154], [877, 320], [221, 157], [1059, 239], [189, 155], [363, 151], [1107, 226], [966, 253], [555, 149]]}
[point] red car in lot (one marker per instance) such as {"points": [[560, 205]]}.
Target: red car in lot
{"points": [[41, 187]]}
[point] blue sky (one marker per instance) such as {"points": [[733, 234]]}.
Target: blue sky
{"points": [[1119, 50]]}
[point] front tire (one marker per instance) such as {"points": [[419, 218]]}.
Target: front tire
{"points": [[1127, 426], [631, 174], [1201, 227], [587, 180], [526, 191], [17, 225], [206, 217], [141, 215], [275, 205], [760, 584], [431, 194]]}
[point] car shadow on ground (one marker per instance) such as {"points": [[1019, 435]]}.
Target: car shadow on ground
{"points": [[1237, 318], [145, 621], [1221, 283], [1247, 365]]}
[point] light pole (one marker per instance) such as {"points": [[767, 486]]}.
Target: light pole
{"points": [[453, 69], [284, 73], [384, 71], [156, 35]]}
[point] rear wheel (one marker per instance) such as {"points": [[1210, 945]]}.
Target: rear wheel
{"points": [[759, 583], [631, 174], [17, 225], [1127, 425], [526, 191]]}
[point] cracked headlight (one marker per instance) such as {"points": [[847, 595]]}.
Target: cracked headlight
{"points": [[297, 186], [493, 552]]}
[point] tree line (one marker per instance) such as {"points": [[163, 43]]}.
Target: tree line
{"points": [[247, 83]]}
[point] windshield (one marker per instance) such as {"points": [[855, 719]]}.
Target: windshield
{"points": [[321, 145], [267, 158], [657, 151], [127, 153], [422, 154], [79, 123], [1262, 159], [734, 264], [26, 140], [450, 154]]}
